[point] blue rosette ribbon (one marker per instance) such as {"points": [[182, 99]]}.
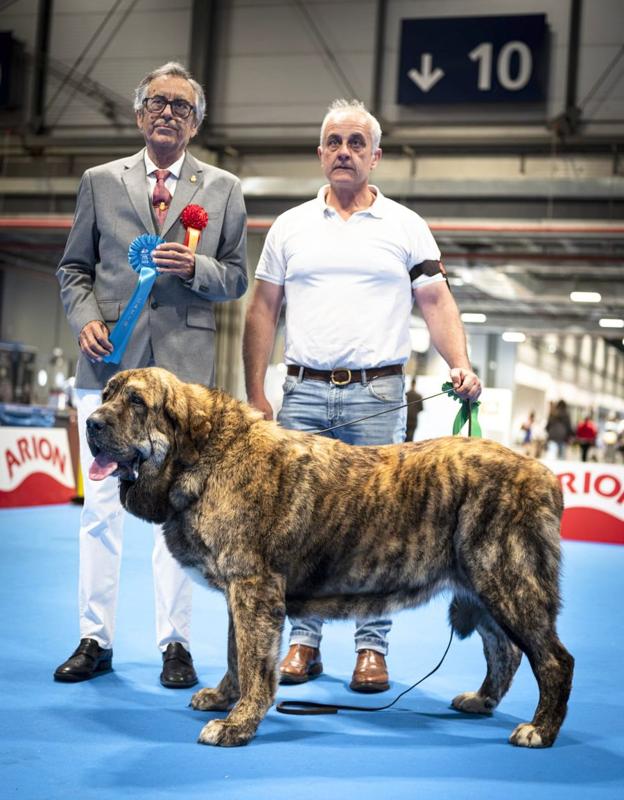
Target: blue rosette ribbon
{"points": [[140, 259]]}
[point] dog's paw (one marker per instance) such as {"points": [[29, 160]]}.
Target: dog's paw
{"points": [[211, 700], [225, 734], [527, 735], [473, 703]]}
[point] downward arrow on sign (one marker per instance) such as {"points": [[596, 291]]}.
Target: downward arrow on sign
{"points": [[426, 78]]}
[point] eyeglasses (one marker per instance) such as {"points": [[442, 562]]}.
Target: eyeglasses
{"points": [[179, 108]]}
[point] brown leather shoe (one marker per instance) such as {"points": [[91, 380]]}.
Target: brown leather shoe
{"points": [[370, 674], [300, 664]]}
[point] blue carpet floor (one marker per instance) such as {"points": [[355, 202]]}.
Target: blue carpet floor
{"points": [[124, 736]]}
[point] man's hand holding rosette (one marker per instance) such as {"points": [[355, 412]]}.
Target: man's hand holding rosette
{"points": [[150, 256], [172, 258]]}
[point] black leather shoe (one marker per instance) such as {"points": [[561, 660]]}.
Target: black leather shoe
{"points": [[87, 661], [178, 671]]}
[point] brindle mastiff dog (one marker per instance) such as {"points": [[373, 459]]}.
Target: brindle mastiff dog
{"points": [[287, 522]]}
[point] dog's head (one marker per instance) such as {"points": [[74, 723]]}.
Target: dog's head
{"points": [[145, 419]]}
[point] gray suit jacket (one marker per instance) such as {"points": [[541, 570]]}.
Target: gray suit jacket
{"points": [[176, 328]]}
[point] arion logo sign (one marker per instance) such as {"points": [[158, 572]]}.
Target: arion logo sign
{"points": [[35, 467], [593, 495]]}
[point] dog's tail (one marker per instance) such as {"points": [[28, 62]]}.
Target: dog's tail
{"points": [[464, 615]]}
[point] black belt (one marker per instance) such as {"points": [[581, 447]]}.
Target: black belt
{"points": [[341, 376]]}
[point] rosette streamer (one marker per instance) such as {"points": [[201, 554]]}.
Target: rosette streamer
{"points": [[140, 259], [194, 218]]}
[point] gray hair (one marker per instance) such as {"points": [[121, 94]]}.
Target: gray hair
{"points": [[178, 71], [342, 106]]}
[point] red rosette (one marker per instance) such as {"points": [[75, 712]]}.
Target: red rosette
{"points": [[194, 217]]}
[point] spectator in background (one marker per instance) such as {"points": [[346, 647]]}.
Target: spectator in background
{"points": [[620, 439], [559, 430], [413, 410], [539, 438], [527, 434], [610, 437], [586, 433]]}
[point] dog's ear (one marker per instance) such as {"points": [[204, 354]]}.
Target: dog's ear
{"points": [[113, 385], [191, 425]]}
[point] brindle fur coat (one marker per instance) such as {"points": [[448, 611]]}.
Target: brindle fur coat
{"points": [[285, 522]]}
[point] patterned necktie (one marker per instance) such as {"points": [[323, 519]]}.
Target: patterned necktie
{"points": [[162, 196]]}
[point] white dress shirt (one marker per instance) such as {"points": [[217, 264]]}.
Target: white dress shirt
{"points": [[174, 173]]}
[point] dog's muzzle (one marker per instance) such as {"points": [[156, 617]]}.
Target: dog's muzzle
{"points": [[106, 463]]}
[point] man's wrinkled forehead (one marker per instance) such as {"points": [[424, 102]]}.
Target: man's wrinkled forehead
{"points": [[346, 123], [172, 87]]}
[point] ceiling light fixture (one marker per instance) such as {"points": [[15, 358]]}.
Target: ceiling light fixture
{"points": [[610, 322], [513, 336], [585, 297], [469, 316]]}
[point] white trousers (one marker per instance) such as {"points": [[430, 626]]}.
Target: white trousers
{"points": [[101, 538]]}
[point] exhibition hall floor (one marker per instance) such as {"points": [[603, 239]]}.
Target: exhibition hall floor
{"points": [[124, 736]]}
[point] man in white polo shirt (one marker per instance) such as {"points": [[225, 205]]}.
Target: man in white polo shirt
{"points": [[349, 265]]}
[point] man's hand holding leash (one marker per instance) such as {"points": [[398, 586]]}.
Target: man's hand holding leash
{"points": [[466, 384]]}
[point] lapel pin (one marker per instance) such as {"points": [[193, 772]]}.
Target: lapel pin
{"points": [[193, 178]]}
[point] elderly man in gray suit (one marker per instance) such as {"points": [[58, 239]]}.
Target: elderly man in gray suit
{"points": [[118, 202]]}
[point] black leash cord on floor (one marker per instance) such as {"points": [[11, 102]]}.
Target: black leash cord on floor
{"points": [[306, 707]]}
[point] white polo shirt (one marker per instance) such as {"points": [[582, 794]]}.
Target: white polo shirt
{"points": [[346, 282]]}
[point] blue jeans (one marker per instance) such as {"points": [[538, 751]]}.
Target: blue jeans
{"points": [[313, 405]]}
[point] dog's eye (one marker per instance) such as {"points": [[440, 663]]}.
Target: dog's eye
{"points": [[136, 400]]}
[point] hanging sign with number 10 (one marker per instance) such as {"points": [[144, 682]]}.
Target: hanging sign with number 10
{"points": [[465, 60]]}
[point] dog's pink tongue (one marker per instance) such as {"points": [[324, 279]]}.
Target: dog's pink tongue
{"points": [[102, 467]]}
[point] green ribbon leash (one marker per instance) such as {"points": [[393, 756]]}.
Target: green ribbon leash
{"points": [[468, 413]]}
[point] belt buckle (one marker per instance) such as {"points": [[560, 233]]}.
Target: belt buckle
{"points": [[338, 382]]}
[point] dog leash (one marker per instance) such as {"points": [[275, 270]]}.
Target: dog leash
{"points": [[377, 413], [468, 413], [307, 707]]}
